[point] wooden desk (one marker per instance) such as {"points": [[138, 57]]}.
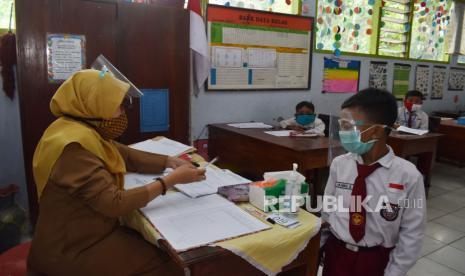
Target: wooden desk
{"points": [[251, 152], [447, 114], [424, 147], [452, 145], [218, 261]]}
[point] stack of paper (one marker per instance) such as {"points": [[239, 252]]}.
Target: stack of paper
{"points": [[215, 180], [411, 130], [251, 125], [187, 223], [163, 146]]}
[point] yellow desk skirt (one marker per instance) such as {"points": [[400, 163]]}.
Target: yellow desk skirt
{"points": [[269, 250]]}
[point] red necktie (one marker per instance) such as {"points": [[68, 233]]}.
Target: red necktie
{"points": [[409, 123], [357, 220]]}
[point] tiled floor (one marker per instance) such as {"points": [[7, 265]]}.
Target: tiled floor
{"points": [[443, 252]]}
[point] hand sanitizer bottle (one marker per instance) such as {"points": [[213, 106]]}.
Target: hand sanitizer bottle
{"points": [[292, 189]]}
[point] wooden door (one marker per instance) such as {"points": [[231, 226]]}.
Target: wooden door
{"points": [[148, 43]]}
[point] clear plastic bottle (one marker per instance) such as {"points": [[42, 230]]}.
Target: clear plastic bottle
{"points": [[292, 189]]}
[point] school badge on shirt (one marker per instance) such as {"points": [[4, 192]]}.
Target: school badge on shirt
{"points": [[391, 212]]}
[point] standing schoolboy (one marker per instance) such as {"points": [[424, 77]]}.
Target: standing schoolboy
{"points": [[366, 239], [410, 114], [305, 120]]}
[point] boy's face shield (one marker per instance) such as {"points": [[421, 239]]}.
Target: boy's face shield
{"points": [[103, 65]]}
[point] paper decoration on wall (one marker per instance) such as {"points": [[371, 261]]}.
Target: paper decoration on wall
{"points": [[378, 75], [65, 55], [400, 84], [422, 79], [439, 82], [341, 76], [456, 79], [279, 6], [430, 26], [345, 26]]}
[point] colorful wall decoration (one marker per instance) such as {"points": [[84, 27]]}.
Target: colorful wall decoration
{"points": [[456, 79], [430, 21], [439, 82], [378, 75], [422, 79], [341, 76], [400, 84], [280, 6], [345, 26]]}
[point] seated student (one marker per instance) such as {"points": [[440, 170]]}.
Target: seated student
{"points": [[365, 240], [305, 120], [410, 114]]}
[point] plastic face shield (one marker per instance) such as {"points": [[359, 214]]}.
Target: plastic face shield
{"points": [[343, 122], [103, 65]]}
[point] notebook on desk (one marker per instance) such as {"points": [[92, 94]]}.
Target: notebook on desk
{"points": [[162, 145], [187, 222]]}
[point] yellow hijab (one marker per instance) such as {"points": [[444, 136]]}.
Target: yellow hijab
{"points": [[86, 94]]}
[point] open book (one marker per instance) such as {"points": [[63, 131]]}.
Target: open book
{"points": [[188, 223], [163, 146], [411, 130]]}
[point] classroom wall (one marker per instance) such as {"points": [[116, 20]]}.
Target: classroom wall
{"points": [[219, 107], [267, 106], [11, 149]]}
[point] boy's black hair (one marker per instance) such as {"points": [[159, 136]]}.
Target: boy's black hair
{"points": [[378, 105], [305, 104], [414, 93]]}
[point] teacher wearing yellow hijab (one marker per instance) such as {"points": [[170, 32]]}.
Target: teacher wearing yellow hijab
{"points": [[78, 169]]}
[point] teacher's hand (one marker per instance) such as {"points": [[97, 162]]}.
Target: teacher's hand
{"points": [[185, 174], [173, 162]]}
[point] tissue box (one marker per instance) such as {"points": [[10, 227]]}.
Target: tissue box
{"points": [[461, 121], [260, 191]]}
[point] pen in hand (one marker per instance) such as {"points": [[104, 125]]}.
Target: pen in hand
{"points": [[211, 162]]}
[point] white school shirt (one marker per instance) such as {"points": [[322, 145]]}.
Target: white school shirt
{"points": [[317, 127], [404, 231], [419, 118]]}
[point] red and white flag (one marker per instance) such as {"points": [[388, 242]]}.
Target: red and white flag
{"points": [[198, 44]]}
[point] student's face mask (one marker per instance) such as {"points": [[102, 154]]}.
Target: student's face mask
{"points": [[305, 119], [416, 107], [351, 138]]}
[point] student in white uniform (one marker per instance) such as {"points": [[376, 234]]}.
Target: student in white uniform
{"points": [[305, 120], [410, 114], [385, 241]]}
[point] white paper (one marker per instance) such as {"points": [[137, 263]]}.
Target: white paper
{"points": [[215, 179], [163, 146], [279, 133], [251, 125], [229, 57], [261, 58], [412, 130], [187, 223]]}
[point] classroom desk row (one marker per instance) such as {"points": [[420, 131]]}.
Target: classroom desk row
{"points": [[452, 146], [251, 152]]}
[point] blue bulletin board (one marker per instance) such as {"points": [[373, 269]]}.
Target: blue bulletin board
{"points": [[154, 110]]}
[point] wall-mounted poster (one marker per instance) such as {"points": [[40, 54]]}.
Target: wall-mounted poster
{"points": [[456, 79], [400, 84], [66, 54], [439, 82], [378, 75], [422, 79], [341, 76], [253, 50]]}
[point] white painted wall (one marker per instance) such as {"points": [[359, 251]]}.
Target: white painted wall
{"points": [[267, 106], [11, 146]]}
